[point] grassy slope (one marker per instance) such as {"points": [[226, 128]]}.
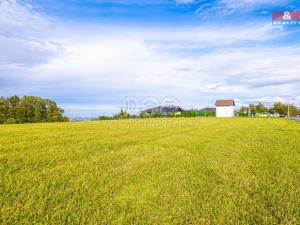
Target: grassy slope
{"points": [[168, 171]]}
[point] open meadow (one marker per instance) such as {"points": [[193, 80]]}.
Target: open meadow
{"points": [[151, 171]]}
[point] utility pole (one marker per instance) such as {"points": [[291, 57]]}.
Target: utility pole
{"points": [[288, 112]]}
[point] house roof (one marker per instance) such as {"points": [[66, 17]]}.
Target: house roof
{"points": [[227, 102], [164, 109]]}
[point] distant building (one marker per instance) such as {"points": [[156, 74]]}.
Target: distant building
{"points": [[164, 110], [225, 108]]}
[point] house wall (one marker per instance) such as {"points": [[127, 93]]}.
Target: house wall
{"points": [[225, 111]]}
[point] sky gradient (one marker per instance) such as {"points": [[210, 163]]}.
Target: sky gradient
{"points": [[90, 56]]}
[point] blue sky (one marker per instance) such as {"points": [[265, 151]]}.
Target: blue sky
{"points": [[94, 56]]}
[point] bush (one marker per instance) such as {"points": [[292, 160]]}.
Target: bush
{"points": [[197, 113], [104, 118], [66, 119], [11, 121]]}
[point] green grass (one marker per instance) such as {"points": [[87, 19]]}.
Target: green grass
{"points": [[154, 171]]}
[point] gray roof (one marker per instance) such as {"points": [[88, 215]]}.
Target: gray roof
{"points": [[164, 109], [209, 109]]}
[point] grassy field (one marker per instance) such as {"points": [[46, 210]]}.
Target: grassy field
{"points": [[154, 171]]}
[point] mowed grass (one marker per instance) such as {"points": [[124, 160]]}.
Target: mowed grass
{"points": [[154, 171]]}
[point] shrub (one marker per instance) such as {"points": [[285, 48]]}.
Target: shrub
{"points": [[197, 113], [11, 121], [66, 119], [104, 118]]}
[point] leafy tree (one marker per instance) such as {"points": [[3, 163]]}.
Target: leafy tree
{"points": [[282, 109], [293, 110], [29, 109], [279, 108], [260, 108], [143, 115], [4, 107], [243, 111], [122, 114], [271, 110], [54, 113], [13, 103], [65, 119], [253, 109]]}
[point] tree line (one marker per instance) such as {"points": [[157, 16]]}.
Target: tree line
{"points": [[251, 110], [278, 107], [125, 115], [30, 109]]}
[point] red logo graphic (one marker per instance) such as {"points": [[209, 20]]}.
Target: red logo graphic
{"points": [[286, 15]]}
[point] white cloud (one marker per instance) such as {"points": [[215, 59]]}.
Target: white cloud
{"points": [[133, 65], [24, 33]]}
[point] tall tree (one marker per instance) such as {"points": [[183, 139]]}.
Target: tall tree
{"points": [[30, 109], [253, 109], [54, 113], [278, 107], [282, 109], [122, 114], [261, 108]]}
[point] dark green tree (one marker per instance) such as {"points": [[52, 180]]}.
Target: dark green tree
{"points": [[13, 103], [278, 107], [253, 109], [282, 109], [122, 114], [54, 113], [260, 108], [30, 109]]}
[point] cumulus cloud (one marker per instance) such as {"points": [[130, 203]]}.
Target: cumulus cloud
{"points": [[24, 33]]}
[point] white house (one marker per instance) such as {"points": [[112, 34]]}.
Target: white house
{"points": [[225, 108]]}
